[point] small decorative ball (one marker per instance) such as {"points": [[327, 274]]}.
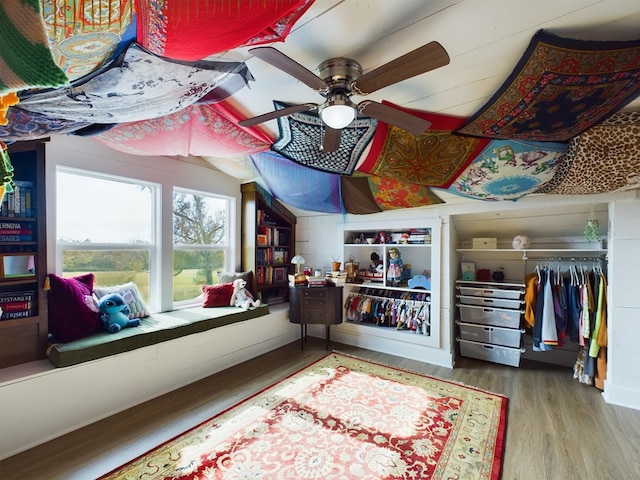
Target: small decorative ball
{"points": [[520, 242]]}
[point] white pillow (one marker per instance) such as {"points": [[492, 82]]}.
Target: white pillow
{"points": [[136, 305]]}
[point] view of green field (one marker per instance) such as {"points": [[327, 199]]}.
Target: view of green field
{"points": [[184, 285]]}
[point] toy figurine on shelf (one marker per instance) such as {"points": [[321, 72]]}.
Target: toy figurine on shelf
{"points": [[394, 269], [382, 237]]}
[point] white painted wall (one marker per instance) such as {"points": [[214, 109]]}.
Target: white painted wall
{"points": [[40, 402], [622, 386], [319, 238], [54, 401]]}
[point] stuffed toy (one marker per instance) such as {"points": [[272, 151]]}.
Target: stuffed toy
{"points": [[242, 297], [114, 312]]}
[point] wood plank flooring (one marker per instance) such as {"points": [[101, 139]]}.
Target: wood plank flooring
{"points": [[557, 428]]}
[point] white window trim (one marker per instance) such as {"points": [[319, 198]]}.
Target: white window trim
{"points": [[87, 155]]}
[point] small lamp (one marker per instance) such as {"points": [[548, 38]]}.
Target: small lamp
{"points": [[297, 261]]}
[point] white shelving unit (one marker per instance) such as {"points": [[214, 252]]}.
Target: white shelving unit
{"points": [[423, 259]]}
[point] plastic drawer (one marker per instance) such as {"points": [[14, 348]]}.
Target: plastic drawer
{"points": [[491, 353], [491, 302], [491, 292], [497, 317], [506, 337]]}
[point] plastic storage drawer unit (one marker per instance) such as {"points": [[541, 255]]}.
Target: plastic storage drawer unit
{"points": [[506, 337], [498, 317], [492, 353], [491, 292], [491, 302]]}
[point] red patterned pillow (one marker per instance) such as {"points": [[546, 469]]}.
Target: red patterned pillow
{"points": [[70, 318], [217, 295]]}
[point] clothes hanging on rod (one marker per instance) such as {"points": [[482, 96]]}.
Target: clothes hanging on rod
{"points": [[569, 305], [401, 310]]}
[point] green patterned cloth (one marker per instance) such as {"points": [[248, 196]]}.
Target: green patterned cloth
{"points": [[25, 58]]}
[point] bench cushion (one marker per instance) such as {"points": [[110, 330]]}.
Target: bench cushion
{"points": [[156, 328]]}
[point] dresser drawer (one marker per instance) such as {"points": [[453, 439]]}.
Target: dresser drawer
{"points": [[492, 353], [510, 294], [315, 315]]}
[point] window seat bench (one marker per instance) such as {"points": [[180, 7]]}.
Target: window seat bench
{"points": [[156, 328]]}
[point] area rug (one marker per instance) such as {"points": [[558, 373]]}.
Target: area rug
{"points": [[560, 88], [341, 418], [435, 158]]}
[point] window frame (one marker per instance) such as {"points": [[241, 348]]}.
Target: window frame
{"points": [[84, 154], [225, 247]]}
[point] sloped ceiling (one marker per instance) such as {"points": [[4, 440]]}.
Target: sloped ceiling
{"points": [[485, 39]]}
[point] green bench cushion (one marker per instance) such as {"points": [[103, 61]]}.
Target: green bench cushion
{"points": [[157, 328]]}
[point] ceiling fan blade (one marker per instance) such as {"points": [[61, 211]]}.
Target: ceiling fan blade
{"points": [[283, 112], [393, 116], [331, 141], [288, 65], [421, 60]]}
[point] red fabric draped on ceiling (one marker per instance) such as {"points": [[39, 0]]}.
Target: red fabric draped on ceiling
{"points": [[195, 29]]}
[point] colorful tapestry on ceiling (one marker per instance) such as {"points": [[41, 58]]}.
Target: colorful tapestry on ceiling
{"points": [[357, 196], [136, 87], [24, 49], [435, 158], [84, 34], [509, 169], [392, 194], [23, 126], [299, 186], [209, 130], [194, 29], [605, 158], [301, 137], [560, 88]]}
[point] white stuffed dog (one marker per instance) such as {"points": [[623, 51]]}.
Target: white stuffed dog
{"points": [[241, 296]]}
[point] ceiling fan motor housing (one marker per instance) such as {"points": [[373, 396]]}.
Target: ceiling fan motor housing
{"points": [[339, 74]]}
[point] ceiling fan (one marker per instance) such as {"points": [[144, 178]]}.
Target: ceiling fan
{"points": [[340, 78]]}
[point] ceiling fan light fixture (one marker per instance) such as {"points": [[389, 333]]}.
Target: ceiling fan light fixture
{"points": [[338, 112]]}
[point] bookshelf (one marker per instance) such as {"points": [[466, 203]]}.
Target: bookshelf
{"points": [[268, 241], [23, 265]]}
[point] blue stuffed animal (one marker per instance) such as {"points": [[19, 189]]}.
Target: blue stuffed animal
{"points": [[115, 313]]}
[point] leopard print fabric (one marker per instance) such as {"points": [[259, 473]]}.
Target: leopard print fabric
{"points": [[605, 158]]}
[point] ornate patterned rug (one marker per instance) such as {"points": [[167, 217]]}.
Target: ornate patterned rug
{"points": [[199, 129], [509, 170], [434, 159], [560, 88], [301, 137], [341, 417]]}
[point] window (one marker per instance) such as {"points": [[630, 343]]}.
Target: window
{"points": [[113, 225], [106, 225], [201, 243]]}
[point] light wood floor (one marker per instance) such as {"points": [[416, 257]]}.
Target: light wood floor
{"points": [[557, 428]]}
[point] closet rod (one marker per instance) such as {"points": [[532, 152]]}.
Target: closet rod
{"points": [[567, 259], [381, 297]]}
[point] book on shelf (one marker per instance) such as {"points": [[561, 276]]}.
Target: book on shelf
{"points": [[317, 282], [19, 203], [18, 304]]}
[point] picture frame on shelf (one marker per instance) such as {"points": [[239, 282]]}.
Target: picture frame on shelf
{"points": [[279, 275], [262, 240], [468, 270]]}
